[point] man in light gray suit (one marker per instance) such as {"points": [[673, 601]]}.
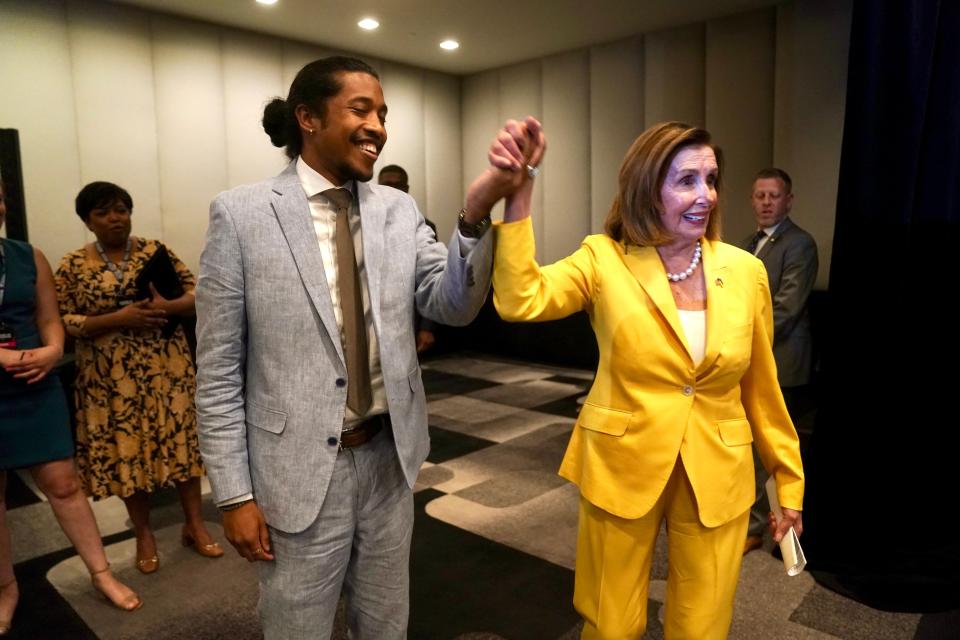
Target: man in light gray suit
{"points": [[313, 421], [790, 255]]}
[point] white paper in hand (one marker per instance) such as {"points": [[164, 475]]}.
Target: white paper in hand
{"points": [[793, 558]]}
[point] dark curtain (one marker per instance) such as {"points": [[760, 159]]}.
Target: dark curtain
{"points": [[12, 175], [883, 467]]}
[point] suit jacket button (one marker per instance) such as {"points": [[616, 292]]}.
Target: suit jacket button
{"points": [[341, 382], [687, 390], [332, 441]]}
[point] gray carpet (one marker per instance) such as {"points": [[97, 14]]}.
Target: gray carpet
{"points": [[499, 430]]}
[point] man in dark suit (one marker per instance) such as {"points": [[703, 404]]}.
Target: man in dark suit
{"points": [[790, 255]]}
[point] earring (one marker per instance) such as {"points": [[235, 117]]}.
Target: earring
{"points": [[310, 131]]}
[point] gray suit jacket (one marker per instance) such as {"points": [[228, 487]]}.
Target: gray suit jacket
{"points": [[269, 353], [790, 256]]}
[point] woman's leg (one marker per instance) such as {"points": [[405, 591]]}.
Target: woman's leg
{"points": [[612, 577], [138, 508], [704, 566], [59, 483], [195, 529], [9, 594]]}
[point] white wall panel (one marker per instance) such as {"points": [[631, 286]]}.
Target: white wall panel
{"points": [[480, 120], [403, 92], [811, 79], [252, 76], [135, 95], [191, 134], [441, 135], [115, 105], [521, 96], [674, 77], [296, 55], [616, 117], [566, 170], [739, 108], [38, 102]]}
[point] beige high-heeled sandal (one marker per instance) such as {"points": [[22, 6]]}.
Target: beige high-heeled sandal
{"points": [[147, 565], [212, 550], [130, 603]]}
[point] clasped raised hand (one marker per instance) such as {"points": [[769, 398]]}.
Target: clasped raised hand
{"points": [[517, 146]]}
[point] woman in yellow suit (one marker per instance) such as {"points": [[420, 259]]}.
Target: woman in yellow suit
{"points": [[686, 381]]}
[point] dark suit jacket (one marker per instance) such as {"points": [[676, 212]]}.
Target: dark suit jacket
{"points": [[790, 256]]}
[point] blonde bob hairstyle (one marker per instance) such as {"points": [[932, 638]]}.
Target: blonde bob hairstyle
{"points": [[635, 215]]}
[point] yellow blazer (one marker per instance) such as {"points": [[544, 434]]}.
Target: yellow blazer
{"points": [[649, 402]]}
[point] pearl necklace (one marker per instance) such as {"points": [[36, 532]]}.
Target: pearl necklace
{"points": [[686, 273]]}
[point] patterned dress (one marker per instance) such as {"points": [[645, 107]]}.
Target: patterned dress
{"points": [[136, 421]]}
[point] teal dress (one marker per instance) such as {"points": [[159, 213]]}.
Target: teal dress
{"points": [[34, 422]]}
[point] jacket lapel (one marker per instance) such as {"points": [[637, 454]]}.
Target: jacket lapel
{"points": [[772, 240], [372, 225], [646, 267], [293, 213], [715, 275]]}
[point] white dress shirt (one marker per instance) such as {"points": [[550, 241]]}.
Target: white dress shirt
{"points": [[695, 328], [767, 232], [324, 217]]}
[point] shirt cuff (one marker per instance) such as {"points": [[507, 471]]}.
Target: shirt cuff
{"points": [[466, 244], [230, 501]]}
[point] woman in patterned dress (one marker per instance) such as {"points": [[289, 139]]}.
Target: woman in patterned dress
{"points": [[136, 423], [34, 422]]}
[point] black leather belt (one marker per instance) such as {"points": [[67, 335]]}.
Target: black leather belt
{"points": [[364, 431]]}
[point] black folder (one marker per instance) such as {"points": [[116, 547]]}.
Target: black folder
{"points": [[160, 271]]}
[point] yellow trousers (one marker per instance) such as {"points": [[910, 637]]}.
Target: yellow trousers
{"points": [[614, 556]]}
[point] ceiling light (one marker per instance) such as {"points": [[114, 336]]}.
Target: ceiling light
{"points": [[266, 1], [449, 45], [368, 23]]}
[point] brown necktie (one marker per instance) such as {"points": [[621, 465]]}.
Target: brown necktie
{"points": [[359, 395]]}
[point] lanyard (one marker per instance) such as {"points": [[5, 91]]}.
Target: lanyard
{"points": [[3, 272], [115, 269]]}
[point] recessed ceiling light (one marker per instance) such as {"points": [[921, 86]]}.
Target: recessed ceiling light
{"points": [[449, 45], [266, 1], [368, 23]]}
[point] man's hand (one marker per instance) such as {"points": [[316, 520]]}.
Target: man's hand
{"points": [[247, 531], [425, 340]]}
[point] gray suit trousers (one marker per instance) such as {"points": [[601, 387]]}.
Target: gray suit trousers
{"points": [[360, 542]]}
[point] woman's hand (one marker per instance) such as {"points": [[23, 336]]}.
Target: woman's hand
{"points": [[791, 518], [158, 302], [142, 315], [9, 356], [33, 365], [518, 145]]}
